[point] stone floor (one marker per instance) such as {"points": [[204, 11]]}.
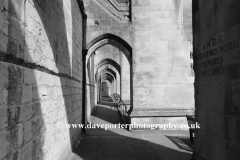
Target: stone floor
{"points": [[120, 144]]}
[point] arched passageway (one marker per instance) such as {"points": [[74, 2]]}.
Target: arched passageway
{"points": [[108, 61], [98, 70]]}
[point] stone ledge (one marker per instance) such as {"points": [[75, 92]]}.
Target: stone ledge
{"points": [[12, 59], [152, 112]]}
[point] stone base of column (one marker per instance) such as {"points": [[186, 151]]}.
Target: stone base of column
{"points": [[144, 118]]}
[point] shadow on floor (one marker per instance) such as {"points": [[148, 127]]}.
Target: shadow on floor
{"points": [[109, 114], [182, 142], [100, 144], [120, 144]]}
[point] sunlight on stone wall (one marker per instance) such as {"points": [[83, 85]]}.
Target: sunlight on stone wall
{"points": [[40, 82]]}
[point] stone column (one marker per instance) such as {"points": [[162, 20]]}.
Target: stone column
{"points": [[217, 83], [163, 86], [125, 78]]}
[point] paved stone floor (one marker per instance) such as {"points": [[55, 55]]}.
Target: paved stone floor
{"points": [[120, 144]]}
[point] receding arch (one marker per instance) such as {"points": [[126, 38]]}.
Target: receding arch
{"points": [[107, 78], [112, 39], [123, 47], [108, 61], [107, 75], [108, 70], [101, 71]]}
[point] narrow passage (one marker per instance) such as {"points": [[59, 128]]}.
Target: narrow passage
{"points": [[121, 144]]}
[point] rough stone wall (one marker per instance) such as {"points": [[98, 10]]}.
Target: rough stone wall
{"points": [[40, 78], [216, 30], [107, 51], [162, 82], [99, 22]]}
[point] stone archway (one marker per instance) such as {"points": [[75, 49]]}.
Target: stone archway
{"points": [[119, 43]]}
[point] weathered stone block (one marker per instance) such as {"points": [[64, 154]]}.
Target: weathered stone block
{"points": [[175, 80], [141, 15], [29, 77], [27, 131], [4, 43], [43, 92], [15, 30], [3, 93], [20, 135], [105, 22], [26, 152], [141, 2], [37, 125], [4, 16], [5, 143], [4, 72], [36, 147], [13, 93], [12, 47], [13, 116], [3, 118], [16, 137], [27, 95], [26, 112]]}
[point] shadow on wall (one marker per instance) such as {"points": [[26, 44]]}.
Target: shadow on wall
{"points": [[22, 129], [30, 98], [67, 54]]}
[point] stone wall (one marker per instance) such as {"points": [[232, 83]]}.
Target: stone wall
{"points": [[100, 22], [162, 73], [125, 78], [216, 28], [162, 82], [107, 51], [40, 78]]}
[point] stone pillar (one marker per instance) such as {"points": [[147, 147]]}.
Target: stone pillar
{"points": [[115, 85], [216, 29], [90, 88], [125, 77], [84, 54], [162, 83], [118, 83], [113, 88]]}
